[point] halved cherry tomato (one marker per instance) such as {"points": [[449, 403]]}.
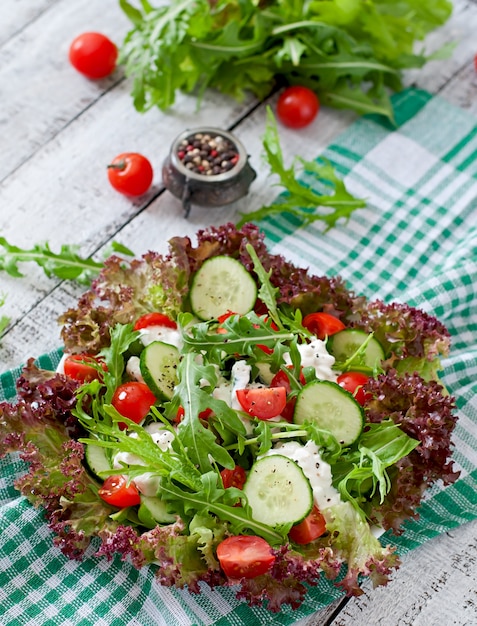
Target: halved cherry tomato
{"points": [[133, 400], [263, 402], [245, 556], [322, 324], [154, 319], [76, 366], [281, 380], [130, 173], [353, 382], [93, 54], [118, 492], [234, 477], [312, 527], [221, 319]]}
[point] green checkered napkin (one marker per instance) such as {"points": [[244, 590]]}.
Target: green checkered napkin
{"points": [[416, 242]]}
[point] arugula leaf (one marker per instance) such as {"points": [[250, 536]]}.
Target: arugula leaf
{"points": [[349, 53], [66, 264], [122, 336], [300, 200]]}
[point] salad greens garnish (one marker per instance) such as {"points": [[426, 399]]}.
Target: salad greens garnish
{"points": [[352, 54], [191, 437], [299, 199], [66, 264]]}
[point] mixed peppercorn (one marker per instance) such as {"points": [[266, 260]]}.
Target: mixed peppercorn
{"points": [[208, 155]]}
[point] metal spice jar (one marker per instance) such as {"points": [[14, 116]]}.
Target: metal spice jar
{"points": [[207, 166]]}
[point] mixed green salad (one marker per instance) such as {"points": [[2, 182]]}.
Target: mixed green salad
{"points": [[234, 419]]}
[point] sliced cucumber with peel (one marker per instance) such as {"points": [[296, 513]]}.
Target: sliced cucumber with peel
{"points": [[222, 284], [331, 408], [158, 364], [98, 459], [345, 343], [277, 491], [153, 511]]}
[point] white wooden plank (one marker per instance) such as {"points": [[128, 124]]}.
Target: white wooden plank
{"points": [[16, 14], [40, 92]]}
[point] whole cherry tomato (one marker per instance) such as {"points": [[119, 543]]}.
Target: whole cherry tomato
{"points": [[353, 382], [118, 492], [245, 556], [133, 400], [93, 55], [297, 106], [130, 173]]}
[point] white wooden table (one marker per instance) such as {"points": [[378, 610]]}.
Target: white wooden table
{"points": [[58, 132]]}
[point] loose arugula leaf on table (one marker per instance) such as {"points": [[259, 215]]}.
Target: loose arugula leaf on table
{"points": [[352, 54], [300, 200], [66, 264]]}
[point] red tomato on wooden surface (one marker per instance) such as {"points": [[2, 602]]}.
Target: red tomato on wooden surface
{"points": [[245, 556], [76, 366], [117, 492], [312, 527], [154, 319], [133, 400], [322, 324], [353, 382], [297, 106], [234, 477], [130, 173], [263, 402], [94, 55]]}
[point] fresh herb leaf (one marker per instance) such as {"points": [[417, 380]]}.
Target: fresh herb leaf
{"points": [[300, 200], [351, 55], [66, 264]]}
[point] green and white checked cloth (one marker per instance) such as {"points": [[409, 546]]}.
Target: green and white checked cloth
{"points": [[416, 242]]}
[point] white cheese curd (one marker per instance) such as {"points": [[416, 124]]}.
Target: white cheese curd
{"points": [[315, 354], [317, 471], [171, 336], [133, 369]]}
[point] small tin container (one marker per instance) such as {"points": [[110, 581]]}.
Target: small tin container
{"points": [[207, 166]]}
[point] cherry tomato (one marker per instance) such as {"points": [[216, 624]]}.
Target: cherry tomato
{"points": [[353, 382], [322, 324], [76, 366], [281, 380], [245, 556], [154, 319], [263, 402], [297, 106], [130, 173], [234, 477], [93, 55], [312, 527], [203, 415], [133, 400], [118, 492]]}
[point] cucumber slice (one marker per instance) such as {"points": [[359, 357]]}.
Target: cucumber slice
{"points": [[344, 344], [98, 459], [158, 364], [331, 408], [222, 284], [277, 491], [153, 511]]}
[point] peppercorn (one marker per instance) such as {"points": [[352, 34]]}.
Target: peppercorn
{"points": [[206, 155]]}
